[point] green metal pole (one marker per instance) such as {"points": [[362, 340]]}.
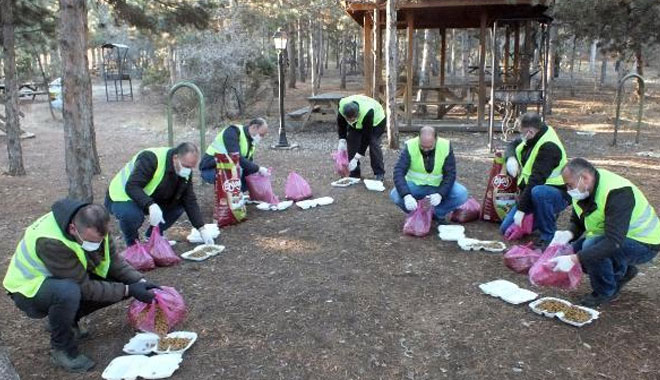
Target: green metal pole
{"points": [[619, 99], [201, 117]]}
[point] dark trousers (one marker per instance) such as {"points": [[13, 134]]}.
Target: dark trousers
{"points": [[353, 142], [130, 218], [60, 301]]}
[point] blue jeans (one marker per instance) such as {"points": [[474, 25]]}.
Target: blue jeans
{"points": [[208, 175], [547, 203], [605, 275], [59, 300], [130, 218], [456, 197]]}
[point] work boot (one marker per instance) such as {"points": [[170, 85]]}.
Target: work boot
{"points": [[631, 273], [380, 177], [80, 332], [79, 363], [595, 300]]}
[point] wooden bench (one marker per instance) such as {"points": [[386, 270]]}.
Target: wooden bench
{"points": [[299, 113]]}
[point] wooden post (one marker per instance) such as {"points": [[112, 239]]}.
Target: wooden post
{"points": [[481, 110], [516, 52], [409, 68], [368, 50], [507, 52], [378, 56], [443, 55], [391, 73]]}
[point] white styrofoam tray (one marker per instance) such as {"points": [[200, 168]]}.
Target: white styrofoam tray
{"points": [[217, 250], [374, 185], [508, 291], [451, 232], [469, 244], [274, 207], [146, 343], [309, 203], [194, 236], [560, 315], [131, 367], [345, 182]]}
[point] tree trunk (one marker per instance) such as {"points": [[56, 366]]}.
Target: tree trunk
{"points": [[291, 50], [452, 54], [327, 50], [79, 136], [592, 57], [639, 61], [342, 61], [572, 64], [318, 62], [321, 50], [391, 74], [301, 52], [171, 63], [12, 120], [603, 69], [552, 68], [424, 70], [45, 79], [465, 54]]}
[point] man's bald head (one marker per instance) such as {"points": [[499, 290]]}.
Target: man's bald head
{"points": [[427, 138]]}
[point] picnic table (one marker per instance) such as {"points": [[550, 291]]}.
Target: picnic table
{"points": [[327, 99]]}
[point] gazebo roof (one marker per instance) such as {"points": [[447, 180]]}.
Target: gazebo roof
{"points": [[459, 14]]}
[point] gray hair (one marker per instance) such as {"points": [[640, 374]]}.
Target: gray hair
{"points": [[92, 216], [185, 148], [259, 122], [579, 165], [531, 120], [351, 110]]}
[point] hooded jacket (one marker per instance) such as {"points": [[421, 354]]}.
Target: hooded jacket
{"points": [[63, 263]]}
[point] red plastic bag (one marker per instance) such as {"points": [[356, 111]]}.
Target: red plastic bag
{"points": [[138, 257], [521, 257], [260, 188], [161, 250], [516, 233], [541, 273], [229, 205], [297, 188], [467, 212], [341, 162], [501, 192], [418, 223], [160, 316]]}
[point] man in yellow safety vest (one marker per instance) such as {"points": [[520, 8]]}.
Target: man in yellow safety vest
{"points": [[613, 228], [66, 267], [536, 160]]}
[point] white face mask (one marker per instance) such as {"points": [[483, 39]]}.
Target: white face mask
{"points": [[184, 172], [577, 194], [88, 246], [256, 139]]}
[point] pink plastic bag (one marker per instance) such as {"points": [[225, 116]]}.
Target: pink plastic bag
{"points": [[297, 188], [418, 223], [516, 233], [138, 257], [161, 250], [260, 188], [467, 212], [521, 257], [541, 273], [142, 316], [341, 162]]}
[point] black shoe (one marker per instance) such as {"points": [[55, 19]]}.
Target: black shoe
{"points": [[595, 300], [78, 363], [79, 332], [380, 177], [631, 273]]}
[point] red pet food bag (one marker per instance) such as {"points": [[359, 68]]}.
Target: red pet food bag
{"points": [[229, 205], [501, 192]]}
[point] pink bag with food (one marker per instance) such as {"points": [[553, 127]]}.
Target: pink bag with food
{"points": [[160, 316], [418, 222], [161, 250], [521, 257], [260, 188], [542, 273], [296, 188], [340, 158], [138, 257], [515, 232], [467, 212]]}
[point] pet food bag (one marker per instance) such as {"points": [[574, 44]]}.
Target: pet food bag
{"points": [[166, 311], [229, 204], [501, 192]]}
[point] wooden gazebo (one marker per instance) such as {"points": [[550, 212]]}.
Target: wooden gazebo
{"points": [[509, 81]]}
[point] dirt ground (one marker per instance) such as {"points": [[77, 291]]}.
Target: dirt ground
{"points": [[338, 292]]}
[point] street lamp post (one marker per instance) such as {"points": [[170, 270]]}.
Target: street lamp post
{"points": [[280, 39]]}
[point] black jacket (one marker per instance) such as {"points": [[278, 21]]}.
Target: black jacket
{"points": [[172, 191], [548, 158], [366, 131], [232, 143], [403, 164], [63, 263], [618, 211]]}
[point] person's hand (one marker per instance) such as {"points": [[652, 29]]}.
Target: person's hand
{"points": [[518, 218], [410, 202], [563, 263], [263, 171], [435, 199], [561, 238], [141, 291], [155, 215], [206, 236], [352, 165], [512, 166], [341, 145]]}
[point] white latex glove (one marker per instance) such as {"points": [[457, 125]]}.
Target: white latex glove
{"points": [[512, 166], [518, 218], [352, 165], [263, 170], [341, 145], [410, 202], [155, 215], [561, 237], [206, 236], [435, 199], [563, 263]]}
